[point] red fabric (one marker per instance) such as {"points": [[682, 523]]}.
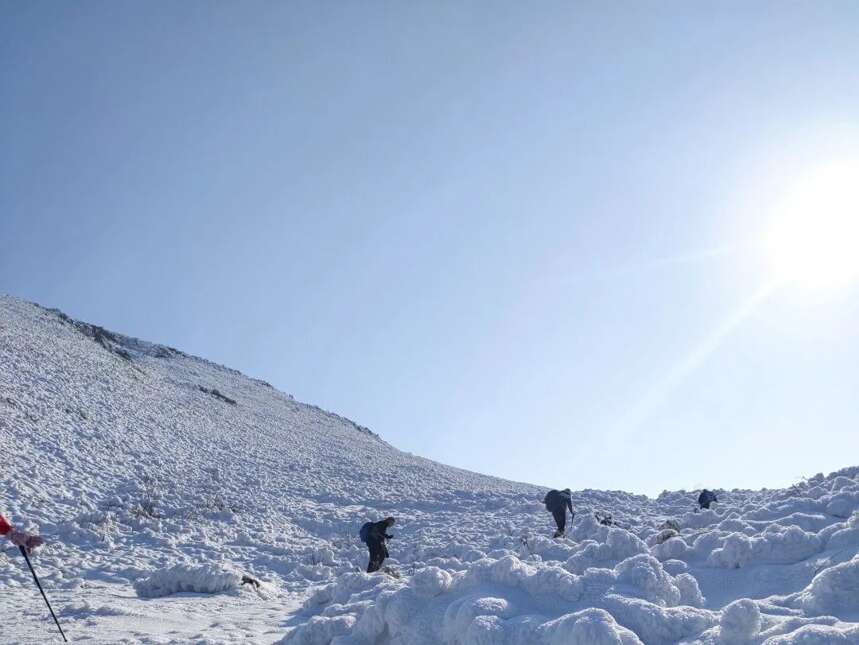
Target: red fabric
{"points": [[5, 527]]}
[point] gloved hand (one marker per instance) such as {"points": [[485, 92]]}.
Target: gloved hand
{"points": [[26, 540], [389, 537]]}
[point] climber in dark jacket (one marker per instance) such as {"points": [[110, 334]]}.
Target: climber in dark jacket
{"points": [[557, 502], [376, 537], [706, 498]]}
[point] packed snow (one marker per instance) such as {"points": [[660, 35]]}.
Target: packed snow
{"points": [[160, 481]]}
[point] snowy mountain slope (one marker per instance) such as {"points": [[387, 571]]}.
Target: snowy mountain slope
{"points": [[132, 455], [151, 471]]}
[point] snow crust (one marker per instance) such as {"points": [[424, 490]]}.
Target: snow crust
{"points": [[153, 473]]}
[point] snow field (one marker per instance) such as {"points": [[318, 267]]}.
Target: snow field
{"points": [[612, 585], [159, 479]]}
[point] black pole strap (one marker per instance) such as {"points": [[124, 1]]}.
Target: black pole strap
{"points": [[39, 585]]}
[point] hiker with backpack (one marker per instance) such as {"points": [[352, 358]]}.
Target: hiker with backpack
{"points": [[21, 539], [557, 502], [706, 498], [374, 535]]}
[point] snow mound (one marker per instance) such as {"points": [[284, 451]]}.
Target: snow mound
{"points": [[618, 546], [833, 591], [778, 544], [183, 578], [818, 635], [586, 627], [740, 622]]}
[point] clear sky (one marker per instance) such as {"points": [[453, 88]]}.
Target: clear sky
{"points": [[521, 238]]}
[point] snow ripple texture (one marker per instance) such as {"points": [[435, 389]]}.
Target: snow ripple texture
{"points": [[159, 472]]}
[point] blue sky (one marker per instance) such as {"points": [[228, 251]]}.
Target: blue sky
{"points": [[518, 238]]}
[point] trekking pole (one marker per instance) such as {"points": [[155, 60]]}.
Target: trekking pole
{"points": [[39, 585]]}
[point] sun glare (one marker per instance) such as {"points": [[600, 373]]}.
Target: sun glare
{"points": [[814, 240]]}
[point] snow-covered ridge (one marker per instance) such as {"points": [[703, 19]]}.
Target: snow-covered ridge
{"points": [[129, 348], [154, 472]]}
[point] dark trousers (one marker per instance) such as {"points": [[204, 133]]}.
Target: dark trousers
{"points": [[560, 519], [378, 553]]}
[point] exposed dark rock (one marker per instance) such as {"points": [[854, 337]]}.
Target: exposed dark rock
{"points": [[217, 395], [107, 339]]}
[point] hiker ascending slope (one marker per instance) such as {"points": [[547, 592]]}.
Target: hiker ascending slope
{"points": [[557, 502], [19, 538], [706, 498], [374, 534]]}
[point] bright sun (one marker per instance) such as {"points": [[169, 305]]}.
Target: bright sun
{"points": [[814, 239]]}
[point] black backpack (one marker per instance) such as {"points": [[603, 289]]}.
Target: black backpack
{"points": [[553, 501], [364, 533]]}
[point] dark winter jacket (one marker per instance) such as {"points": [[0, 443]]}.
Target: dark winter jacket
{"points": [[558, 500], [378, 532], [706, 498]]}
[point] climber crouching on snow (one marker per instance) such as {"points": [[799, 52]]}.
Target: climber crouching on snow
{"points": [[19, 538], [374, 535], [557, 502], [706, 498]]}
